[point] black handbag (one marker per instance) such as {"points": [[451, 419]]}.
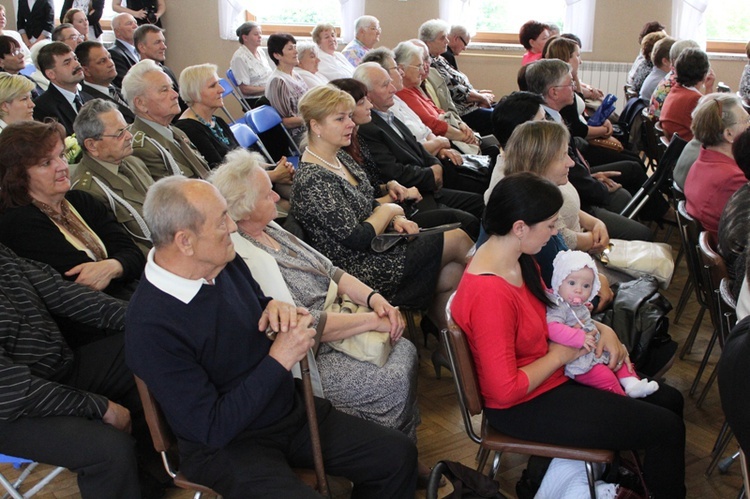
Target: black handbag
{"points": [[467, 483]]}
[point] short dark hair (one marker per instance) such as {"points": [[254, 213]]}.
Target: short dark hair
{"points": [[353, 87], [8, 45], [46, 57], [511, 111], [692, 67], [530, 31], [650, 27], [529, 198], [56, 34], [276, 44], [82, 51], [140, 34], [22, 145], [521, 78]]}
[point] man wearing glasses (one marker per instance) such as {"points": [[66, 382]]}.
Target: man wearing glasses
{"points": [[67, 34], [108, 170], [368, 31], [458, 39]]}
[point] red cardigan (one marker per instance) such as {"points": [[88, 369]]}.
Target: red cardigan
{"points": [[428, 112], [507, 329], [677, 110]]}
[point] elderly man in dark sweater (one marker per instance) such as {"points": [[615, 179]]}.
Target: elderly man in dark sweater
{"points": [[57, 405], [196, 334]]}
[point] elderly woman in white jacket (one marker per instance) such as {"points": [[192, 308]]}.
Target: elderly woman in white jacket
{"points": [[333, 64]]}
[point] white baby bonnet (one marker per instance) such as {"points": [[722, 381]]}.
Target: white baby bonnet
{"points": [[569, 261]]}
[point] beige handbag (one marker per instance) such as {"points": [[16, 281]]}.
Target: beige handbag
{"points": [[370, 346], [640, 258]]}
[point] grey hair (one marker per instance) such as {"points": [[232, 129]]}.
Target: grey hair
{"points": [[364, 73], [134, 84], [363, 22], [544, 74], [231, 178], [167, 210], [88, 124], [404, 52], [459, 30], [378, 55], [13, 87], [430, 30], [421, 46], [305, 47], [679, 47], [192, 80]]}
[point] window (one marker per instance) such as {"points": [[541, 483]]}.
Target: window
{"points": [[500, 21], [727, 25], [107, 15]]}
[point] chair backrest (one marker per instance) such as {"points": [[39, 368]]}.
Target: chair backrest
{"points": [[262, 118], [464, 372], [651, 145], [236, 93], [161, 433], [677, 192], [244, 134], [231, 78], [226, 86], [673, 152], [714, 270], [690, 230]]}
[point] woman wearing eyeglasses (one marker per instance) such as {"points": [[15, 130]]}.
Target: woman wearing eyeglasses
{"points": [[42, 219], [718, 120]]}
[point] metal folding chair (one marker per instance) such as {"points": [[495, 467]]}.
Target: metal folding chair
{"points": [[264, 118], [236, 93], [13, 489]]}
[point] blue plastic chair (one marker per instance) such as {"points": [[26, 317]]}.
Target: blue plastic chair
{"points": [[263, 118], [13, 488], [244, 135], [28, 70], [236, 90]]}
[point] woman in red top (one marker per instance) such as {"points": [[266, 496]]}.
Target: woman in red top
{"points": [[500, 304]]}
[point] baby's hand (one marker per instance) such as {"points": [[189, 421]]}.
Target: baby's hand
{"points": [[589, 343], [589, 306]]}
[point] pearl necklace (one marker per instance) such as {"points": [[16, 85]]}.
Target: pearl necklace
{"points": [[339, 169]]}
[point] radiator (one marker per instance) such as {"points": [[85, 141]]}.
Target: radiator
{"points": [[610, 77]]}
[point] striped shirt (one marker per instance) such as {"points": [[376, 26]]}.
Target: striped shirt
{"points": [[33, 352]]}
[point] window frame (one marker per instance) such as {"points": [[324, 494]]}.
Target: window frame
{"points": [[296, 30]]}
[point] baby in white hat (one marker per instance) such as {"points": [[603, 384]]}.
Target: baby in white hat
{"points": [[575, 282]]}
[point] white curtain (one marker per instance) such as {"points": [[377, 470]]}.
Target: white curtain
{"points": [[463, 12], [579, 19], [231, 15], [350, 11], [688, 20]]}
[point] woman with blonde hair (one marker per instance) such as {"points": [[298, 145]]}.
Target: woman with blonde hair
{"points": [[333, 201], [333, 64], [15, 99]]}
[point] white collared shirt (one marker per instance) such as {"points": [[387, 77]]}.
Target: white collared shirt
{"points": [[131, 48], [556, 116], [179, 287], [69, 96]]}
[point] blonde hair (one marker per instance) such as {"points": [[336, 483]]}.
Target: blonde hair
{"points": [[192, 80], [322, 101], [320, 28], [12, 87], [533, 146]]}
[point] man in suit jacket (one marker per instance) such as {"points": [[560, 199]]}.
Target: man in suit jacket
{"points": [[62, 100], [396, 151], [109, 171], [35, 23], [164, 149], [150, 43], [98, 73], [123, 52]]}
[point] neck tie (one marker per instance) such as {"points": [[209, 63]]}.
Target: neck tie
{"points": [[77, 102], [115, 94]]}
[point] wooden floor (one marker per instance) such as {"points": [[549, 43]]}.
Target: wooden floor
{"points": [[441, 434]]}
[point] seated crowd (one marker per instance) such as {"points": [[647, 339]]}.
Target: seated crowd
{"points": [[155, 221]]}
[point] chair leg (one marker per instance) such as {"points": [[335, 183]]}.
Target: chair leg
{"points": [[704, 362], [722, 442], [686, 292], [482, 458], [693, 333], [43, 483], [12, 492], [592, 480], [706, 388], [495, 465]]}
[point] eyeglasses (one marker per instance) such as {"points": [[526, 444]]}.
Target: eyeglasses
{"points": [[74, 37], [119, 135], [572, 85], [417, 66], [463, 41], [14, 53]]}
